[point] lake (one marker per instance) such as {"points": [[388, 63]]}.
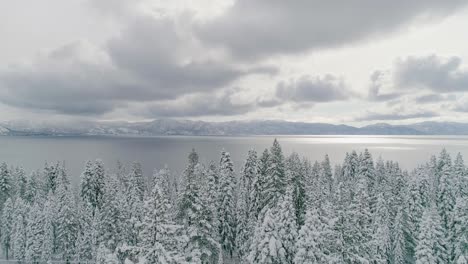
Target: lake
{"points": [[155, 152]]}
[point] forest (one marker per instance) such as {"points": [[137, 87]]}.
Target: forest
{"points": [[276, 209]]}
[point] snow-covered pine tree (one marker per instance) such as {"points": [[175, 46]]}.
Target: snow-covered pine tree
{"points": [[431, 248], [446, 197], [227, 204], [110, 222], [131, 206], [367, 170], [136, 180], [50, 243], [263, 164], [99, 183], [326, 176], [274, 179], [460, 235], [35, 230], [86, 237], [311, 245], [34, 188], [296, 179], [246, 206], [67, 221], [460, 176], [163, 177], [160, 241], [189, 193], [286, 226], [87, 191], [21, 181], [7, 223], [210, 191], [19, 230], [382, 240], [5, 183], [400, 254], [266, 247]]}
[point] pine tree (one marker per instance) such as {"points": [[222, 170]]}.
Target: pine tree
{"points": [[460, 235], [446, 199], [7, 223], [99, 183], [5, 183], [110, 229], [286, 226], [275, 182], [19, 230], [266, 247], [246, 206], [227, 206], [87, 191], [50, 242], [86, 237], [21, 181], [381, 235], [34, 188], [159, 240], [431, 246], [67, 221], [460, 172], [136, 180], [35, 233], [326, 176], [311, 245], [296, 179]]}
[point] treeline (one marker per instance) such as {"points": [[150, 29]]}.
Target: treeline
{"points": [[277, 209]]}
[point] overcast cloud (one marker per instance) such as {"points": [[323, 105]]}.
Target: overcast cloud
{"points": [[239, 59]]}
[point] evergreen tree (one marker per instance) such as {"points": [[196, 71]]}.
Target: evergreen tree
{"points": [[35, 233], [110, 229], [159, 240], [266, 246], [274, 185], [136, 180], [296, 179], [460, 235], [5, 183], [19, 230], [227, 206], [381, 235], [246, 206], [311, 245], [86, 237], [286, 226], [67, 222], [7, 223], [431, 246], [50, 242]]}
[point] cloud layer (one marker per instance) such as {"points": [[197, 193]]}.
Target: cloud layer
{"points": [[246, 59]]}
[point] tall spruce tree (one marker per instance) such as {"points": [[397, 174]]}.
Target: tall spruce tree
{"points": [[227, 204]]}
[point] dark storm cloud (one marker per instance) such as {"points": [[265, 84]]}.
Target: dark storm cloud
{"points": [[432, 73], [149, 61], [371, 116], [257, 28], [308, 89], [374, 89]]}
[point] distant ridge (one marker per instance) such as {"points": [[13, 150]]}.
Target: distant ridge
{"points": [[234, 128]]}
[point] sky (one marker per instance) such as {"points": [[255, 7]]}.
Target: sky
{"points": [[354, 62]]}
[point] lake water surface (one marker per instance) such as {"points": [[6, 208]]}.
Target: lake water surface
{"points": [[155, 152]]}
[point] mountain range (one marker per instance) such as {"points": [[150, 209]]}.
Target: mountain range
{"points": [[235, 128]]}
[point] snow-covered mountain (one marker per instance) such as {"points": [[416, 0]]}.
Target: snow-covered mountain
{"points": [[197, 128]]}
